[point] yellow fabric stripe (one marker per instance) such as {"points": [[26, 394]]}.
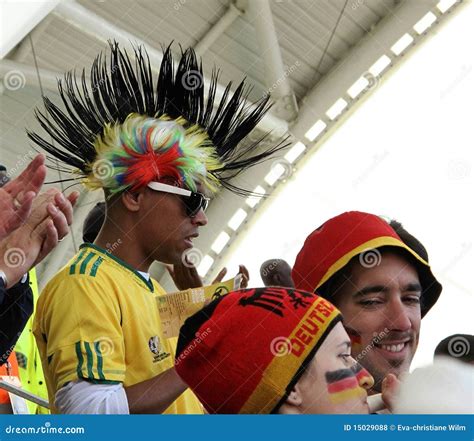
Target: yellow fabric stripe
{"points": [[369, 245], [279, 373]]}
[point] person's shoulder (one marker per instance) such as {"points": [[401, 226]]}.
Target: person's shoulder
{"points": [[87, 263], [87, 268]]}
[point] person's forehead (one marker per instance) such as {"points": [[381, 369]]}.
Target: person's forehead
{"points": [[387, 260]]}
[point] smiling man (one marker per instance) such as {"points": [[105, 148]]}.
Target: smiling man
{"points": [[382, 286], [158, 149]]}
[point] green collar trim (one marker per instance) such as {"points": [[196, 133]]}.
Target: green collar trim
{"points": [[148, 283]]}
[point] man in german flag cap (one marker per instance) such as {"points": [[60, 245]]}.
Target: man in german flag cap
{"points": [[271, 350], [381, 285], [159, 149]]}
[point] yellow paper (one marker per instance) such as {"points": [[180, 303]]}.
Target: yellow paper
{"points": [[176, 307]]}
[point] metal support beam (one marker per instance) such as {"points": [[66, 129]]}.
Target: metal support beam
{"points": [[86, 21], [276, 78], [335, 84], [217, 29]]}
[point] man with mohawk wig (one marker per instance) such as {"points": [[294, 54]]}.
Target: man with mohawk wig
{"points": [[158, 149]]}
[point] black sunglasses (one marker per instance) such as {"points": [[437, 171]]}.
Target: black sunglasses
{"points": [[193, 201]]}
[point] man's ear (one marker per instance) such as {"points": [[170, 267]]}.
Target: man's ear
{"points": [[131, 200], [295, 398]]}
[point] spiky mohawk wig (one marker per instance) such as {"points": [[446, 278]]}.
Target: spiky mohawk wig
{"points": [[127, 129]]}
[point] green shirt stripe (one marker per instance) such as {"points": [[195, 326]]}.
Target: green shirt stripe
{"points": [[80, 359], [89, 257], [148, 283], [95, 266], [72, 268], [90, 360]]}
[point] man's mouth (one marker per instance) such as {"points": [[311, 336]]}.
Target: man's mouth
{"points": [[393, 347], [189, 239]]}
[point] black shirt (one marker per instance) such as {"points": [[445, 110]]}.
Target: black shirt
{"points": [[16, 307]]}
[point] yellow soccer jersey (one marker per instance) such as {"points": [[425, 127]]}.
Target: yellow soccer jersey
{"points": [[97, 320]]}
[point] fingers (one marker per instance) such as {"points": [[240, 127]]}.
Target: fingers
{"points": [[60, 220], [245, 276], [390, 389], [73, 197], [31, 179], [186, 276], [65, 206], [39, 211], [23, 211], [37, 179], [48, 233], [220, 276], [244, 271]]}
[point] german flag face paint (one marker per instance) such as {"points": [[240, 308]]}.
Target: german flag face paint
{"points": [[348, 384], [356, 339]]}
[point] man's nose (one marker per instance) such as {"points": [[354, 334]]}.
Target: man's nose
{"points": [[398, 316], [200, 219]]}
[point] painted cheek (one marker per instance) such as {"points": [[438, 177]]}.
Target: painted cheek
{"points": [[343, 386]]}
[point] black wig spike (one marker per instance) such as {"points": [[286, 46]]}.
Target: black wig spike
{"points": [[119, 87]]}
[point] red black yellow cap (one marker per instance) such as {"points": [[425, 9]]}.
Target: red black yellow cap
{"points": [[244, 352], [331, 247]]}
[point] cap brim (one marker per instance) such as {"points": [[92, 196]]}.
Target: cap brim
{"points": [[431, 287]]}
